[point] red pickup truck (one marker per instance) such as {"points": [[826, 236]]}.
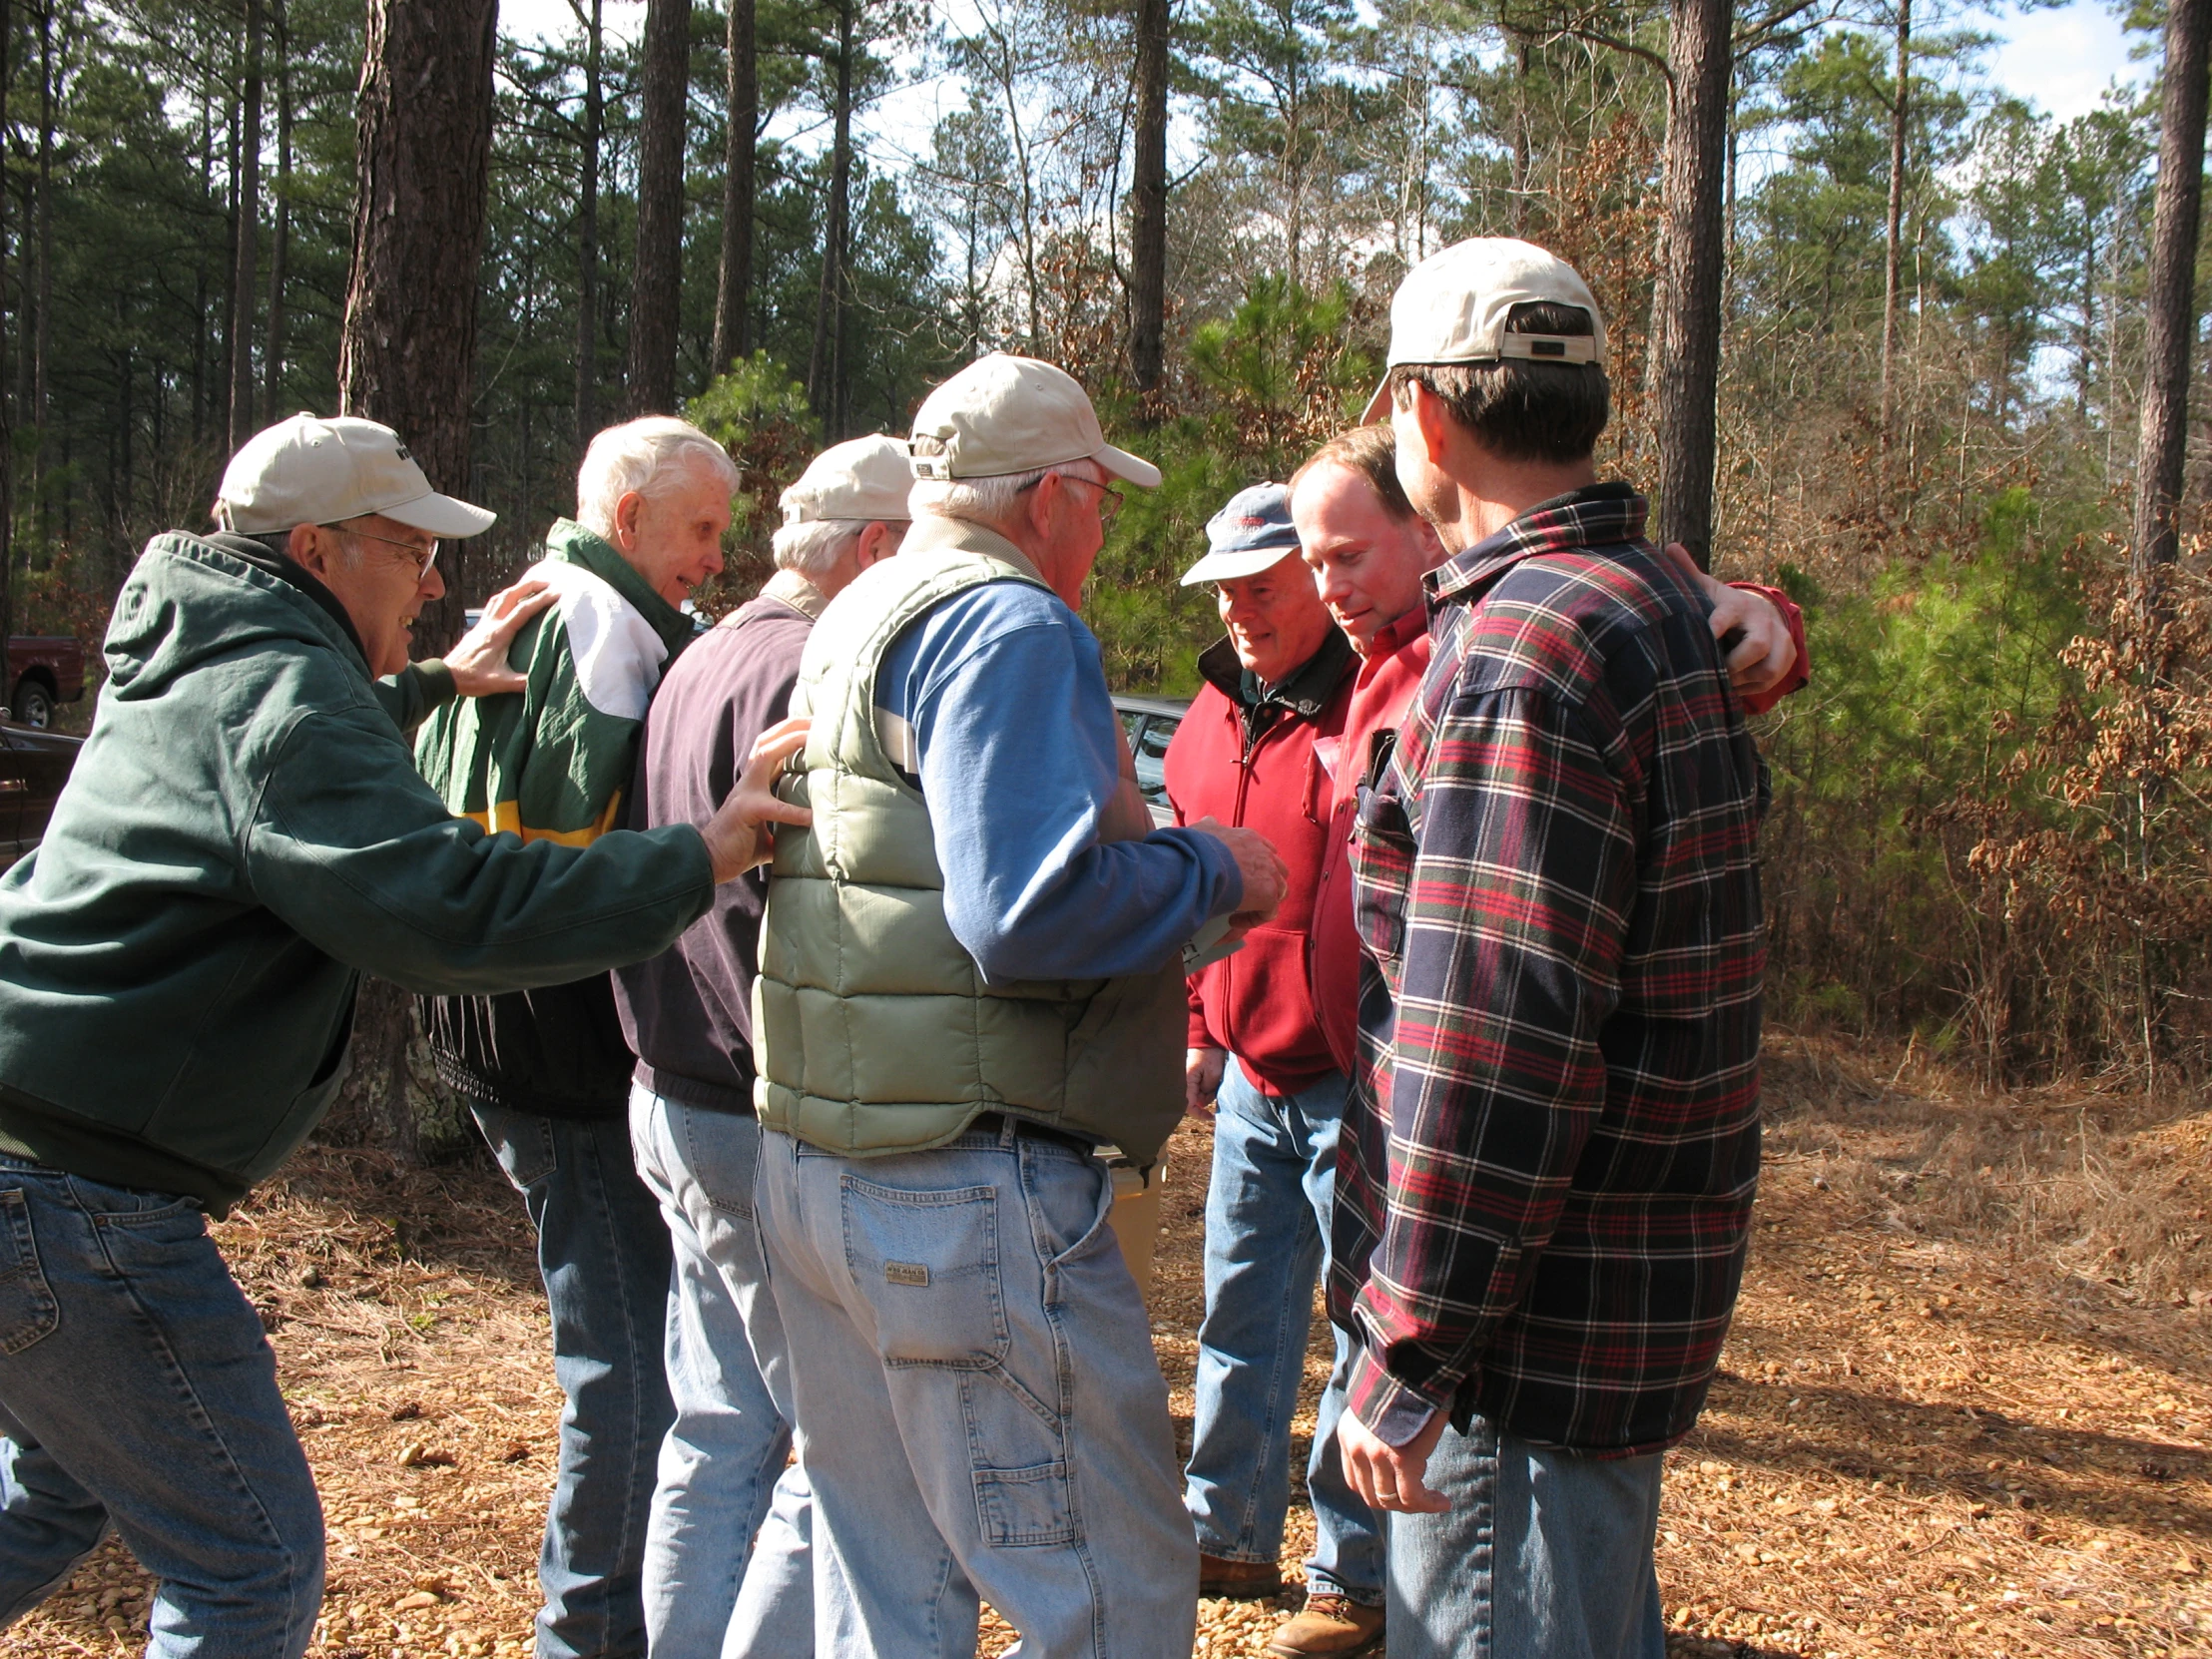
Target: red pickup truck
{"points": [[43, 670]]}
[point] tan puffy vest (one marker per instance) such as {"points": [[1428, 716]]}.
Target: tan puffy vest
{"points": [[872, 1027]]}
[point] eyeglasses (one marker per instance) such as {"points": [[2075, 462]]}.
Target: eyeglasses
{"points": [[423, 561], [1109, 500]]}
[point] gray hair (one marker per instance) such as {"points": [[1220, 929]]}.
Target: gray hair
{"points": [[985, 501], [645, 457], [813, 546]]}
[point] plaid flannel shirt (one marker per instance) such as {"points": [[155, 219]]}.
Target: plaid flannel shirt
{"points": [[1546, 1176]]}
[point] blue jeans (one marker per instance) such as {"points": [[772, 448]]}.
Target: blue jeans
{"points": [[724, 1460], [1266, 1235], [604, 1256], [980, 1411], [137, 1390], [1543, 1555]]}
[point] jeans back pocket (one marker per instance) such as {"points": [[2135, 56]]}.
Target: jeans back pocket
{"points": [[928, 1263], [28, 1311]]}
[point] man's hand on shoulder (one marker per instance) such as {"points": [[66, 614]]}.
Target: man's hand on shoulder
{"points": [[1265, 876], [1764, 653], [738, 835], [478, 661]]}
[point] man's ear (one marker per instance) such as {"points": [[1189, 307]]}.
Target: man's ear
{"points": [[309, 549], [627, 508], [876, 542], [1431, 420]]}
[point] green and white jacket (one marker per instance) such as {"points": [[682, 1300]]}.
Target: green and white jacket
{"points": [[553, 762]]}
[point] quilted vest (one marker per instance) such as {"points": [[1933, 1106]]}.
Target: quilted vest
{"points": [[873, 1029]]}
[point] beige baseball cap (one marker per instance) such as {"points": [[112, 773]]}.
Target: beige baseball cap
{"points": [[1452, 307], [862, 479], [308, 470], [1004, 414]]}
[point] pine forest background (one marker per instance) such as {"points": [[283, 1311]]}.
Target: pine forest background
{"points": [[1991, 834]]}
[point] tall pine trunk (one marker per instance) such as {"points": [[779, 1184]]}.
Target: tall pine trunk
{"points": [[249, 237], [734, 296], [407, 357], [587, 230], [1689, 323], [1148, 200], [1893, 279], [43, 337], [7, 443], [407, 348], [656, 287], [2172, 306], [279, 249], [826, 365]]}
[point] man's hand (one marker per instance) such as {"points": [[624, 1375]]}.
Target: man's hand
{"points": [[1389, 1476], [738, 836], [1764, 653], [1265, 876], [1203, 1071], [478, 659]]}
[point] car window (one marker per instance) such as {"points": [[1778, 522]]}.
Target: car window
{"points": [[1151, 746]]}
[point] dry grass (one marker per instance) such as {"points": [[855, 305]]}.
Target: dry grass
{"points": [[1964, 1410]]}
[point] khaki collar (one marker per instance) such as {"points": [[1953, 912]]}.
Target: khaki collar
{"points": [[795, 591], [932, 534]]}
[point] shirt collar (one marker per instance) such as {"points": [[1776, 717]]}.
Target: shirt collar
{"points": [[1394, 636], [931, 532], [570, 543], [792, 589], [1303, 692], [1596, 515]]}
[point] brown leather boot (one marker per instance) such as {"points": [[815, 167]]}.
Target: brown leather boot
{"points": [[1333, 1626], [1239, 1580]]}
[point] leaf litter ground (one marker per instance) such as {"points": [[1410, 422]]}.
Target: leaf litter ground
{"points": [[1937, 1432]]}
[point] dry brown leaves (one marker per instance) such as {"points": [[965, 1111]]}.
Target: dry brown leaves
{"points": [[1923, 1442]]}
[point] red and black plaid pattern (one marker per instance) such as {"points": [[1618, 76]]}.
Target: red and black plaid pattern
{"points": [[1545, 1182]]}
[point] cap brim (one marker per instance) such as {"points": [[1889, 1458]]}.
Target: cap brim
{"points": [[1378, 406], [441, 515], [1122, 464], [1234, 566]]}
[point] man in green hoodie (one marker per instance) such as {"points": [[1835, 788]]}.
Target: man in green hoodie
{"points": [[546, 1072], [243, 836]]}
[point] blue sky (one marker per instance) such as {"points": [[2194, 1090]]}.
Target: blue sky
{"points": [[2062, 60]]}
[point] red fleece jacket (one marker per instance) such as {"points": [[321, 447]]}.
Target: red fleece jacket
{"points": [[1385, 683], [1255, 1002]]}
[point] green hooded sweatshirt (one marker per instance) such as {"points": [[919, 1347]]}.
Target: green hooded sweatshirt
{"points": [[243, 836]]}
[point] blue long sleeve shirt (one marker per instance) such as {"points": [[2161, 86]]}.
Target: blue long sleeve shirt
{"points": [[1017, 755]]}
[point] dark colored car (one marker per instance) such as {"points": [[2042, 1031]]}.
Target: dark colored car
{"points": [[1151, 721], [34, 765], [43, 670]]}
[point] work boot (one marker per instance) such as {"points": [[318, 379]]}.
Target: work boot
{"points": [[1239, 1580], [1330, 1625]]}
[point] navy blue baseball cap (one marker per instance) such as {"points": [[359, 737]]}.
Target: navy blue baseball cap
{"points": [[1251, 533]]}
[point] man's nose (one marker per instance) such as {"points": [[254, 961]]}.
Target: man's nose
{"points": [[432, 586]]}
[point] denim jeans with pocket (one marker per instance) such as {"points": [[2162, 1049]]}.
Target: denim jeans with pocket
{"points": [[1543, 1555], [1266, 1235], [137, 1390], [727, 1511], [604, 1256], [980, 1411]]}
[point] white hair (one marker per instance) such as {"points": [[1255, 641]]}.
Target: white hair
{"points": [[985, 501], [814, 546], [645, 457]]}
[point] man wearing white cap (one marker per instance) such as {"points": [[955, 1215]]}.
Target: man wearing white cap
{"points": [[1544, 1198], [688, 1015], [243, 836], [970, 986]]}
